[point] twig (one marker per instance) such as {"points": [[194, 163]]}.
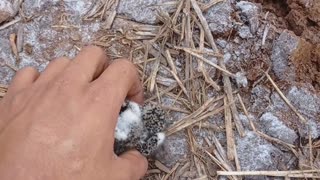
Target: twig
{"points": [[265, 33], [310, 148], [162, 167], [302, 119], [187, 42], [186, 122], [209, 62], [14, 48], [236, 159], [20, 34], [222, 164], [246, 112], [302, 173], [210, 4], [169, 89], [154, 75], [110, 19], [181, 171], [171, 171], [229, 131], [10, 23], [219, 148], [204, 25], [226, 80], [174, 73]]}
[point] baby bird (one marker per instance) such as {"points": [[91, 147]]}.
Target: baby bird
{"points": [[139, 128]]}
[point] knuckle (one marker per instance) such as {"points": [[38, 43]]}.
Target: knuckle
{"points": [[17, 100], [26, 70], [93, 48], [61, 59], [126, 66]]}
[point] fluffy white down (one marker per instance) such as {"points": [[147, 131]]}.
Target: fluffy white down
{"points": [[161, 137], [127, 120]]}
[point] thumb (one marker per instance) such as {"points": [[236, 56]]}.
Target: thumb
{"points": [[133, 164]]}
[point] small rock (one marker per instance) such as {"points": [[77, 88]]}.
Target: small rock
{"points": [[237, 52], [260, 98], [275, 128], [226, 57], [250, 12], [244, 32], [144, 11], [219, 18], [241, 79], [256, 153], [222, 43], [6, 10], [307, 102], [174, 148], [283, 47], [312, 128]]}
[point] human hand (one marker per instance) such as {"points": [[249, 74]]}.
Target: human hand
{"points": [[60, 124]]}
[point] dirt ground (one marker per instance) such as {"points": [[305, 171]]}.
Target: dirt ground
{"points": [[239, 80]]}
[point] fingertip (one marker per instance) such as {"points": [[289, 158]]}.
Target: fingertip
{"points": [[125, 79], [136, 92], [135, 163], [92, 48], [23, 78]]}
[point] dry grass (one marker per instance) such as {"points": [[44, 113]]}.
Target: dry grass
{"points": [[184, 35]]}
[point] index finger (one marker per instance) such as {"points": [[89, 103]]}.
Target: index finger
{"points": [[118, 82], [123, 78]]}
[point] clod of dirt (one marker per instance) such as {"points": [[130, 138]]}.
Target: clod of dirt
{"points": [[314, 12], [297, 21], [250, 14], [258, 154], [277, 129], [144, 11], [6, 10], [311, 8], [219, 18], [304, 19], [290, 57]]}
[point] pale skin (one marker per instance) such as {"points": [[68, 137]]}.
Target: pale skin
{"points": [[59, 124]]}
